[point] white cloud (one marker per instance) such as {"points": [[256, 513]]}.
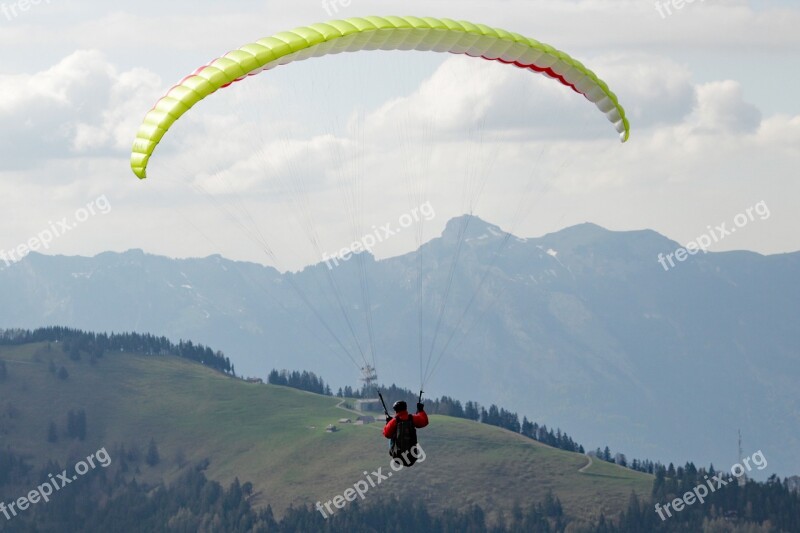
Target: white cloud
{"points": [[722, 109], [514, 103], [126, 98], [654, 89], [80, 104]]}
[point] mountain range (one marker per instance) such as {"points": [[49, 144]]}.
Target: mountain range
{"points": [[582, 329]]}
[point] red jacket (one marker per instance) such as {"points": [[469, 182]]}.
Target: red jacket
{"points": [[420, 420]]}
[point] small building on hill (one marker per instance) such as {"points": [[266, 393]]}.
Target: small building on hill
{"points": [[372, 406], [365, 419], [331, 428], [345, 421]]}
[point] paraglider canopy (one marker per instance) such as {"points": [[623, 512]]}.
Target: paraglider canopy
{"points": [[371, 33]]}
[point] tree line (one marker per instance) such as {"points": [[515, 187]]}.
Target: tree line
{"points": [[307, 381], [750, 506], [76, 343]]}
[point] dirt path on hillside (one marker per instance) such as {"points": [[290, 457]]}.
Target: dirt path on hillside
{"points": [[587, 465]]}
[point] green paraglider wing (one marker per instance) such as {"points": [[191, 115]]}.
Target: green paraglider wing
{"points": [[371, 33]]}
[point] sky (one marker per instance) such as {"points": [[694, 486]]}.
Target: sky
{"points": [[303, 160]]}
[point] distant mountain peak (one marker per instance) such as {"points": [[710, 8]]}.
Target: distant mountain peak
{"points": [[584, 231], [473, 225]]}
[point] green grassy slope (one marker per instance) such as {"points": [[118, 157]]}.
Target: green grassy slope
{"points": [[274, 437]]}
